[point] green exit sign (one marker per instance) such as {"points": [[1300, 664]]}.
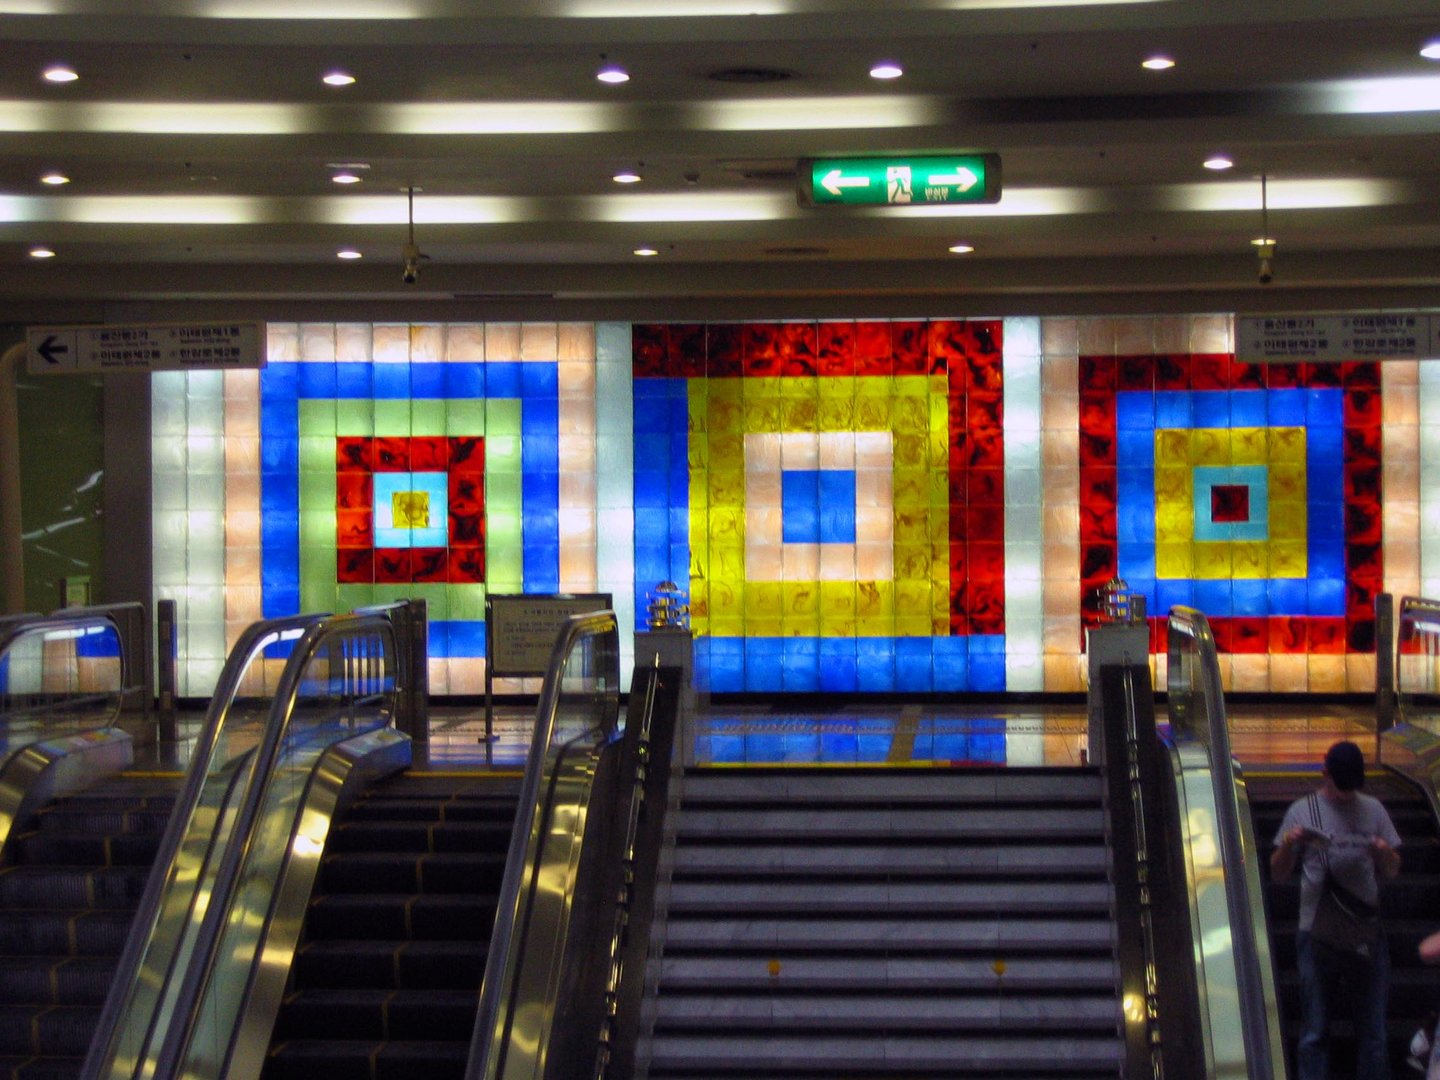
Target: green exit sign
{"points": [[900, 181]]}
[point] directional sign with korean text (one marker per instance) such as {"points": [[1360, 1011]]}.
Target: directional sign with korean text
{"points": [[69, 350], [899, 181], [1373, 336]]}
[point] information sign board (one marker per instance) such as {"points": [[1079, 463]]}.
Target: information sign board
{"points": [[1360, 336], [104, 349], [899, 181]]}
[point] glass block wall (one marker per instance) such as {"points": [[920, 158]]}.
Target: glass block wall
{"points": [[854, 506]]}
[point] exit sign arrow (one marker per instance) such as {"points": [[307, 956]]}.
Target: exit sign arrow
{"points": [[932, 179]]}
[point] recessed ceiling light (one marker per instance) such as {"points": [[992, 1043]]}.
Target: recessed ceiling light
{"points": [[886, 69], [337, 78], [349, 253], [345, 178], [1431, 50], [1219, 163], [961, 249], [54, 179], [61, 73], [626, 176], [1159, 62], [612, 73], [41, 252], [646, 251]]}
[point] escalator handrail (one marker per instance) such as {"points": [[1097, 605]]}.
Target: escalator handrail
{"points": [[14, 630], [1415, 613], [1256, 990], [145, 924], [496, 998], [236, 854]]}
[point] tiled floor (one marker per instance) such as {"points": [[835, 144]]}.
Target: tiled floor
{"points": [[935, 735]]}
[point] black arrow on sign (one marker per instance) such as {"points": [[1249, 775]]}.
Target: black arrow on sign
{"points": [[50, 349]]}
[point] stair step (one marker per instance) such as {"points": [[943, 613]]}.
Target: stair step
{"points": [[928, 860], [818, 934], [891, 824], [936, 898], [883, 787], [889, 1012], [751, 974]]}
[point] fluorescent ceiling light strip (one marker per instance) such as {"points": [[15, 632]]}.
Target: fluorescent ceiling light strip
{"points": [[429, 210], [1415, 93], [1334, 194], [820, 114], [499, 118], [695, 207]]}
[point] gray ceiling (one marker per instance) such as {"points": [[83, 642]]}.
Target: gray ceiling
{"points": [[200, 143]]}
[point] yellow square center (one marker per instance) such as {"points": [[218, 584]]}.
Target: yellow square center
{"points": [[410, 509]]}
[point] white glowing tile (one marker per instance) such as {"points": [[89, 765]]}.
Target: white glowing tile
{"points": [[1097, 336], [837, 562], [502, 342], [353, 342], [613, 344], [1022, 489], [874, 562], [539, 342], [577, 380], [390, 343], [169, 565], [837, 450], [167, 405], [801, 562], [282, 342], [577, 418], [763, 561], [1022, 337], [317, 343], [577, 454], [798, 450], [874, 450], [763, 489], [198, 678], [1060, 337], [1212, 334], [875, 490], [204, 491], [762, 452], [614, 484], [465, 342], [427, 343], [575, 341]]}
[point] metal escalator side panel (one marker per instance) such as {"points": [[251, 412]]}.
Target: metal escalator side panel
{"points": [[46, 770], [1223, 1010], [263, 926]]}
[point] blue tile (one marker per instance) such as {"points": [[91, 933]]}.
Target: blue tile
{"points": [[280, 599], [1326, 521], [541, 489], [1325, 449], [1171, 593], [1325, 408], [679, 448], [679, 525], [316, 380], [427, 381], [391, 381], [652, 452], [279, 454], [467, 637], [1214, 597], [680, 486], [680, 565], [652, 417], [652, 489], [355, 380], [1210, 409], [1172, 409], [279, 495], [279, 381], [652, 565], [1288, 596], [279, 417], [502, 380], [1327, 597], [837, 500], [987, 645], [839, 746], [800, 505], [1134, 409], [952, 672], [801, 524], [1251, 596], [539, 416], [1326, 559], [987, 673], [437, 641], [539, 455], [542, 567], [1135, 525], [680, 410], [540, 380], [1248, 408], [914, 666], [1135, 448], [1285, 408], [651, 388], [464, 380]]}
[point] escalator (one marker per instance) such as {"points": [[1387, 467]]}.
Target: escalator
{"points": [[387, 977], [68, 895], [1408, 906]]}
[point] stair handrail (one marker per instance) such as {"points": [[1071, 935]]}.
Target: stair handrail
{"points": [[1196, 705], [490, 1056], [78, 624], [151, 957]]}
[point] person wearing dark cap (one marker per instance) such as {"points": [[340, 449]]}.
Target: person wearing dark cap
{"points": [[1340, 831]]}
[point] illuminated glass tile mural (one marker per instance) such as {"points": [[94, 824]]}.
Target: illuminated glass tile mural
{"points": [[1251, 492], [832, 494]]}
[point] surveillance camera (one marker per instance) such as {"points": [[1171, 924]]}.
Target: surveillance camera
{"points": [[692, 177], [1267, 275], [411, 273]]}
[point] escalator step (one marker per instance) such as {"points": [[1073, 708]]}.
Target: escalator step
{"points": [[50, 980], [307, 1059], [72, 886], [441, 872], [46, 1030], [64, 933], [376, 1014]]}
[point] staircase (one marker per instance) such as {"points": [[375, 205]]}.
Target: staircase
{"points": [[386, 983], [1408, 905], [67, 898], [888, 923]]}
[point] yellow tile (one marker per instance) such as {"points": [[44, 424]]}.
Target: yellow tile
{"points": [[839, 386], [764, 628], [875, 600], [1288, 558], [836, 413], [1174, 560], [911, 451], [764, 414], [1249, 559], [727, 627], [837, 600], [912, 563], [724, 416], [726, 488], [800, 414], [1287, 519], [910, 415], [1249, 446], [1173, 486], [727, 564], [1174, 521], [1210, 446], [1287, 482], [1286, 444], [1211, 559], [1172, 447], [872, 413], [912, 626]]}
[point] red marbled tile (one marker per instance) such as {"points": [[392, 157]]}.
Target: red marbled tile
{"points": [[353, 453], [1097, 373], [985, 447], [685, 352], [1249, 634], [762, 349], [354, 491], [1289, 634], [1097, 449], [1321, 375], [986, 487], [1364, 561], [466, 529], [467, 566], [1223, 631], [985, 605], [984, 408], [354, 529], [1097, 414], [1327, 635], [874, 353], [1097, 564], [985, 559], [1363, 524], [797, 345], [429, 564], [429, 453], [1362, 484], [837, 349], [355, 567], [1210, 371], [1360, 375], [949, 342], [467, 454], [467, 493], [724, 350], [1362, 448], [1245, 376], [1283, 376], [910, 348], [1172, 371], [1362, 408], [984, 366], [983, 523], [1360, 635], [392, 565], [392, 454], [1134, 372], [648, 348]]}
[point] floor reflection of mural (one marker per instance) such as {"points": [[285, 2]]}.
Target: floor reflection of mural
{"points": [[834, 495]]}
